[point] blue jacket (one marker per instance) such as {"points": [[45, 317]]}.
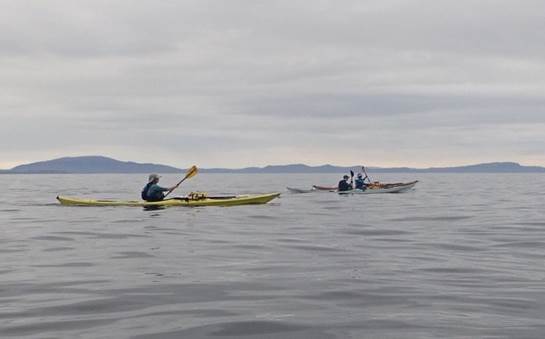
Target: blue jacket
{"points": [[360, 184], [153, 192]]}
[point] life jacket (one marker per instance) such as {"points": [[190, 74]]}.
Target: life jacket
{"points": [[145, 191], [360, 184]]}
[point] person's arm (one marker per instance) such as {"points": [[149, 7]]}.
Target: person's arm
{"points": [[170, 188], [162, 189]]}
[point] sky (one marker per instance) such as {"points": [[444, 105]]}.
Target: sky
{"points": [[243, 83]]}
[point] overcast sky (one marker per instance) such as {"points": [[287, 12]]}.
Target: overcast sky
{"points": [[239, 83]]}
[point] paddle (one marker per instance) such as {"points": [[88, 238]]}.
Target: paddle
{"points": [[366, 176], [352, 178], [191, 172]]}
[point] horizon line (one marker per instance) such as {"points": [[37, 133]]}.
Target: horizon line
{"points": [[281, 165]]}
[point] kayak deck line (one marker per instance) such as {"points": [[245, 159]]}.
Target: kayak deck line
{"points": [[237, 200]]}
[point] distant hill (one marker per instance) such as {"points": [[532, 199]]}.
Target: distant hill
{"points": [[296, 168], [91, 164], [100, 164], [493, 167]]}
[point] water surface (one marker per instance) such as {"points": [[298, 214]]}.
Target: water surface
{"points": [[460, 256]]}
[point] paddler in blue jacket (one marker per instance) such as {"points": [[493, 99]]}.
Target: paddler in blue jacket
{"points": [[344, 185], [154, 192], [360, 182]]}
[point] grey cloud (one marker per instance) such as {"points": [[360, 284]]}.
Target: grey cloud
{"points": [[230, 83]]}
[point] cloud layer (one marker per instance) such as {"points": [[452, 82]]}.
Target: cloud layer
{"points": [[237, 83]]}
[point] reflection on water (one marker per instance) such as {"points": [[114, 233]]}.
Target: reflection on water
{"points": [[460, 256]]}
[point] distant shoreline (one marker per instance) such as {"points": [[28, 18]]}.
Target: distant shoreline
{"points": [[101, 164], [256, 173]]}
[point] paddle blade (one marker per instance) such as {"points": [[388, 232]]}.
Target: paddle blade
{"points": [[351, 173], [366, 175], [191, 172]]}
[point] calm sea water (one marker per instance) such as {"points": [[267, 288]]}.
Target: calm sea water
{"points": [[461, 256]]}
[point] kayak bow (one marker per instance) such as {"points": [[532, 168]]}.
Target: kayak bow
{"points": [[299, 190], [324, 188]]}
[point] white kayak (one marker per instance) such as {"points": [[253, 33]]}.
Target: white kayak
{"points": [[383, 188], [299, 190]]}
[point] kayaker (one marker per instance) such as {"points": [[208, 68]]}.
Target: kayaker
{"points": [[154, 192], [360, 182], [344, 185]]}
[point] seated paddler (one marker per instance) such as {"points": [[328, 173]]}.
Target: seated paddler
{"points": [[152, 191], [344, 185], [360, 182]]}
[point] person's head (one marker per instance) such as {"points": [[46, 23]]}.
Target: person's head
{"points": [[346, 177], [153, 178], [360, 176]]}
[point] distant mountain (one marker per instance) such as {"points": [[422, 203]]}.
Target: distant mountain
{"points": [[91, 164], [493, 167], [99, 164], [296, 168]]}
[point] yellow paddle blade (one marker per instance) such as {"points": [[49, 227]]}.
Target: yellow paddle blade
{"points": [[191, 172]]}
